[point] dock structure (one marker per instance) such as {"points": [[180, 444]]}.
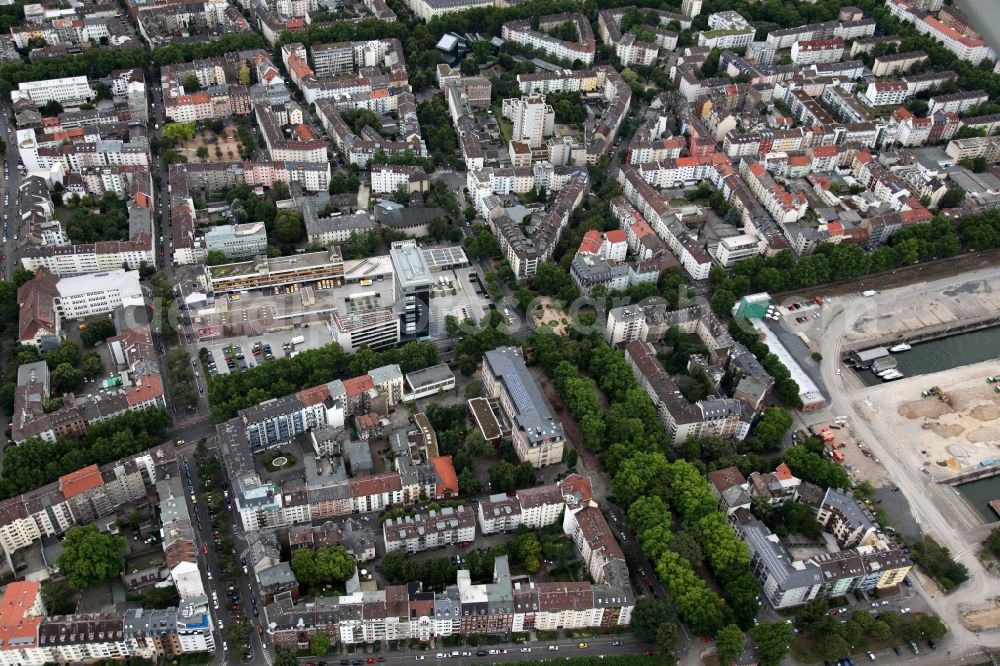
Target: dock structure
{"points": [[923, 334], [866, 357]]}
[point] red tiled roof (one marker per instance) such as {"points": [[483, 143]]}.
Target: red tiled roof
{"points": [[901, 114], [448, 478], [615, 236], [578, 486], [725, 478], [783, 472], [821, 44], [81, 480], [305, 133], [591, 243], [916, 215], [313, 396], [951, 32], [642, 229], [358, 385], [34, 299], [374, 485], [150, 387], [16, 627]]}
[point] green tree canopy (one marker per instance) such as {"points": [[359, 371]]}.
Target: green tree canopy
{"points": [[772, 640], [90, 557], [215, 258], [288, 227], [330, 564], [729, 643]]}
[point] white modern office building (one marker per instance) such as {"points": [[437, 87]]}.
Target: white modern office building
{"points": [[237, 241], [71, 89], [83, 296]]}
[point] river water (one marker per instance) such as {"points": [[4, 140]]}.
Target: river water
{"points": [[980, 493], [944, 354]]}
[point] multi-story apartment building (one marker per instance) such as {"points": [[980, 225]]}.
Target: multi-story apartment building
{"points": [[402, 612], [967, 47], [305, 146], [595, 542], [691, 8], [428, 9], [882, 93], [388, 178], [896, 63], [82, 497], [532, 118], [31, 637], [784, 206], [332, 59], [813, 51], [533, 508], [727, 30], [582, 48], [682, 419], [360, 150], [630, 322], [985, 146], [537, 436], [42, 152], [863, 560], [90, 258], [844, 29], [46, 299], [917, 83], [657, 211], [956, 102], [280, 419], [95, 492], [434, 529], [605, 80], [734, 249], [499, 513], [628, 47]]}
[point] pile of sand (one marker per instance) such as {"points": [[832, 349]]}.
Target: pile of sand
{"points": [[950, 430], [987, 434], [987, 412], [982, 619], [924, 408]]}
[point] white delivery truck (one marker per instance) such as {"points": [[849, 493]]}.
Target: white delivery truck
{"points": [[298, 339]]}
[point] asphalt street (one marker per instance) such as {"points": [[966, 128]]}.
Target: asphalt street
{"points": [[212, 575], [8, 187], [537, 651]]}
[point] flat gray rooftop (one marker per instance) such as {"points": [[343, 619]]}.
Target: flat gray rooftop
{"points": [[411, 269]]}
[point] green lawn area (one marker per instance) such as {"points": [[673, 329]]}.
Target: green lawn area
{"points": [[506, 127]]}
